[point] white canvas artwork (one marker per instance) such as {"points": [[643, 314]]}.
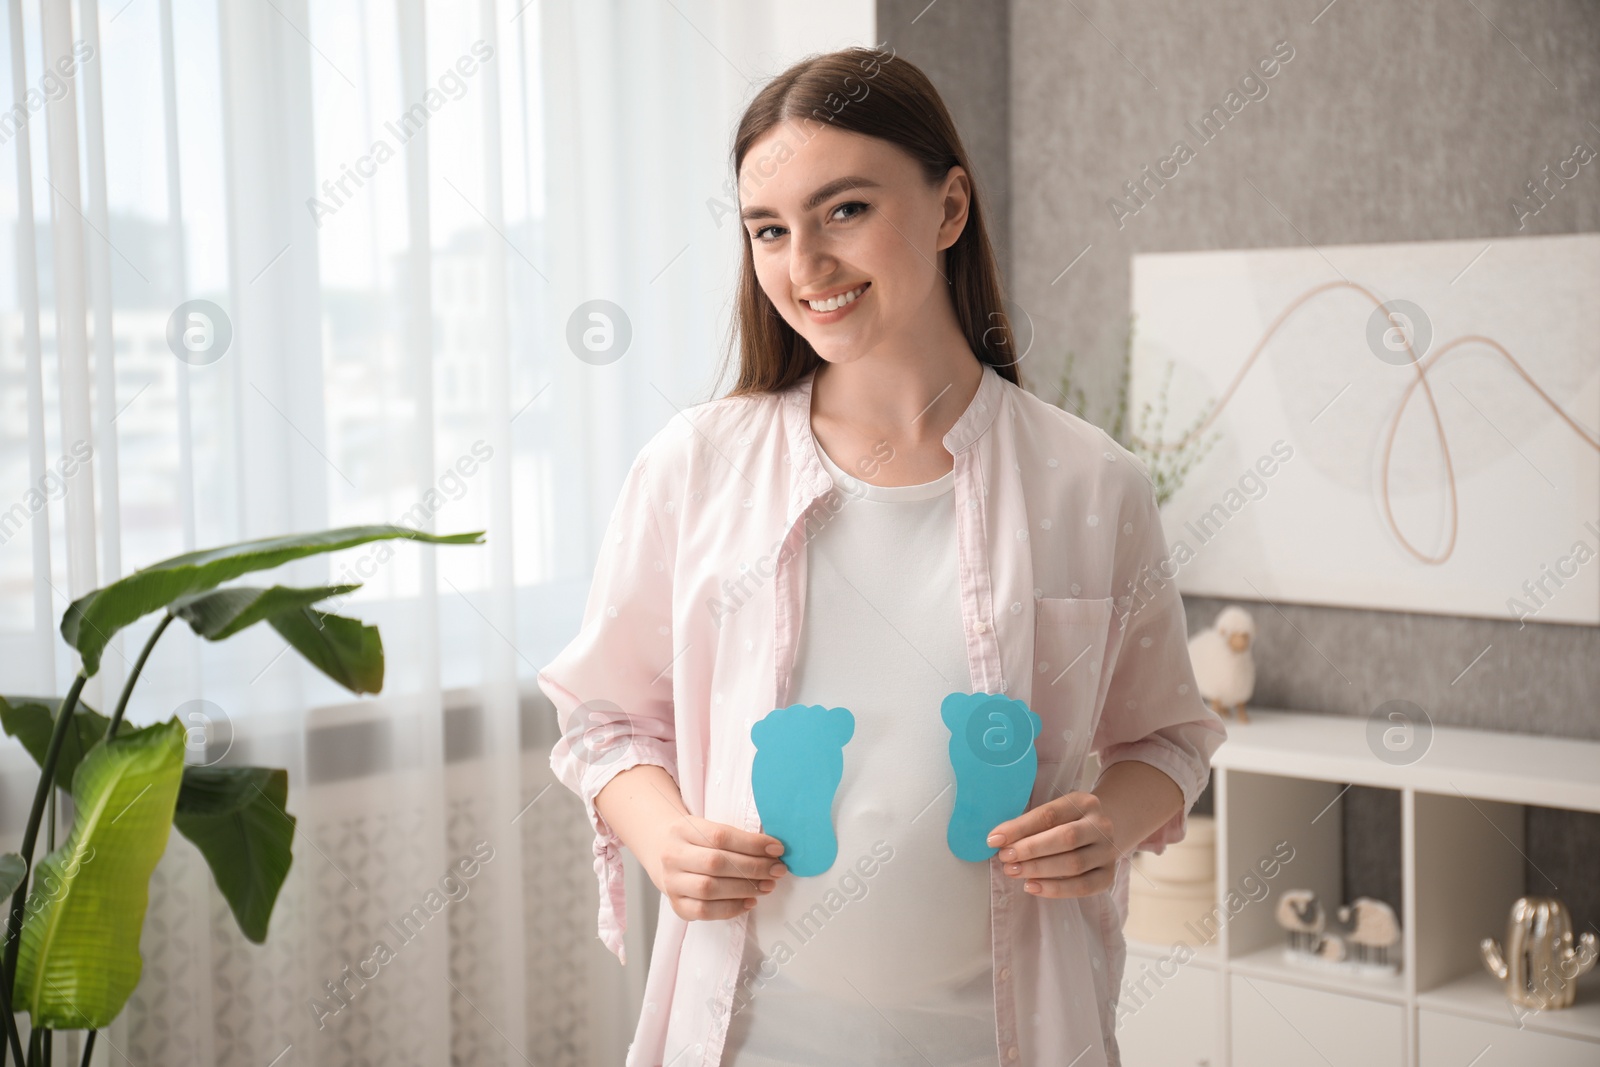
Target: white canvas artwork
{"points": [[1412, 426]]}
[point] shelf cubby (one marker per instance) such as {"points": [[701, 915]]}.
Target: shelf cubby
{"points": [[1470, 860], [1264, 812], [1445, 832]]}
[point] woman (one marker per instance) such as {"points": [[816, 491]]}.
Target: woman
{"points": [[876, 517]]}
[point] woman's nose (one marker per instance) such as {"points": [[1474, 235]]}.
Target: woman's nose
{"points": [[810, 262]]}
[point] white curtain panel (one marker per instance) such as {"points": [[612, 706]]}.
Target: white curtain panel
{"points": [[393, 211]]}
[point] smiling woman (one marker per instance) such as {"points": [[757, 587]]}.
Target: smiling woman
{"points": [[891, 150], [992, 553]]}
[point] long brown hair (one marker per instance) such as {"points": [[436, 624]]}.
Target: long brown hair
{"points": [[866, 91]]}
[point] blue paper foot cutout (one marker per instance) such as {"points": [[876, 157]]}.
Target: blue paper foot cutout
{"points": [[799, 762], [992, 752]]}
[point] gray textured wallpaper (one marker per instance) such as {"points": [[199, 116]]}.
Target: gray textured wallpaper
{"points": [[1387, 121]]}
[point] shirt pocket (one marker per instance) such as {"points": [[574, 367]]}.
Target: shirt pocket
{"points": [[1070, 639]]}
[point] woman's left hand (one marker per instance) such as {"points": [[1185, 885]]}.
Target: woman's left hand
{"points": [[1063, 848]]}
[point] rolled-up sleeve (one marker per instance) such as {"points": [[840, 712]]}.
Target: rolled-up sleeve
{"points": [[1153, 712], [612, 685]]}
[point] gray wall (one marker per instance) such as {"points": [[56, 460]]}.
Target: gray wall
{"points": [[1394, 121], [966, 46]]}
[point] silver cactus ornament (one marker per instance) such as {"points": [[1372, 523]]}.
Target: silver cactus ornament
{"points": [[1540, 965]]}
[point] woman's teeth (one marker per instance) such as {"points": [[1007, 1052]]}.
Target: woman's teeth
{"points": [[837, 302]]}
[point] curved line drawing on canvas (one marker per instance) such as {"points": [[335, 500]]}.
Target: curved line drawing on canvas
{"points": [[1422, 367]]}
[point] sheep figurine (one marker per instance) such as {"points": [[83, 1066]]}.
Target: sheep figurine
{"points": [[1300, 913], [1331, 948], [1224, 669], [1373, 929]]}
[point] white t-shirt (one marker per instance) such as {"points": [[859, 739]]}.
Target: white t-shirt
{"points": [[890, 945]]}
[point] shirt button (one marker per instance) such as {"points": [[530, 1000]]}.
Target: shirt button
{"points": [[981, 627], [1011, 1053], [1005, 972]]}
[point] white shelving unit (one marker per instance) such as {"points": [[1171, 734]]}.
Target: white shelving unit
{"points": [[1239, 1003]]}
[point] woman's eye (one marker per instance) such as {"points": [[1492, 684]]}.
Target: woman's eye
{"points": [[756, 235]]}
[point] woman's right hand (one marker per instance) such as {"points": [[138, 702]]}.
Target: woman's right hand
{"points": [[710, 870]]}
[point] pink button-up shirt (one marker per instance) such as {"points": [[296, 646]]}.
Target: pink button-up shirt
{"points": [[689, 636]]}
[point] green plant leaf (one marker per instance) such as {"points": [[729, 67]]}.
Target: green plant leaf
{"points": [[236, 817], [91, 620], [79, 958], [12, 871], [31, 719], [347, 650], [222, 613]]}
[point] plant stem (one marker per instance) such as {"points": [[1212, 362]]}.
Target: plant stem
{"points": [[11, 1028], [30, 837], [133, 676], [88, 1047]]}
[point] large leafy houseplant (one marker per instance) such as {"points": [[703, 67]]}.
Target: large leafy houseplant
{"points": [[71, 957]]}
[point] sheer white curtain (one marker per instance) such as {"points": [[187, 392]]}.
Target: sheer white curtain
{"points": [[399, 212]]}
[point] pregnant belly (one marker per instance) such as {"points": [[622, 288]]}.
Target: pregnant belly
{"points": [[897, 919]]}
